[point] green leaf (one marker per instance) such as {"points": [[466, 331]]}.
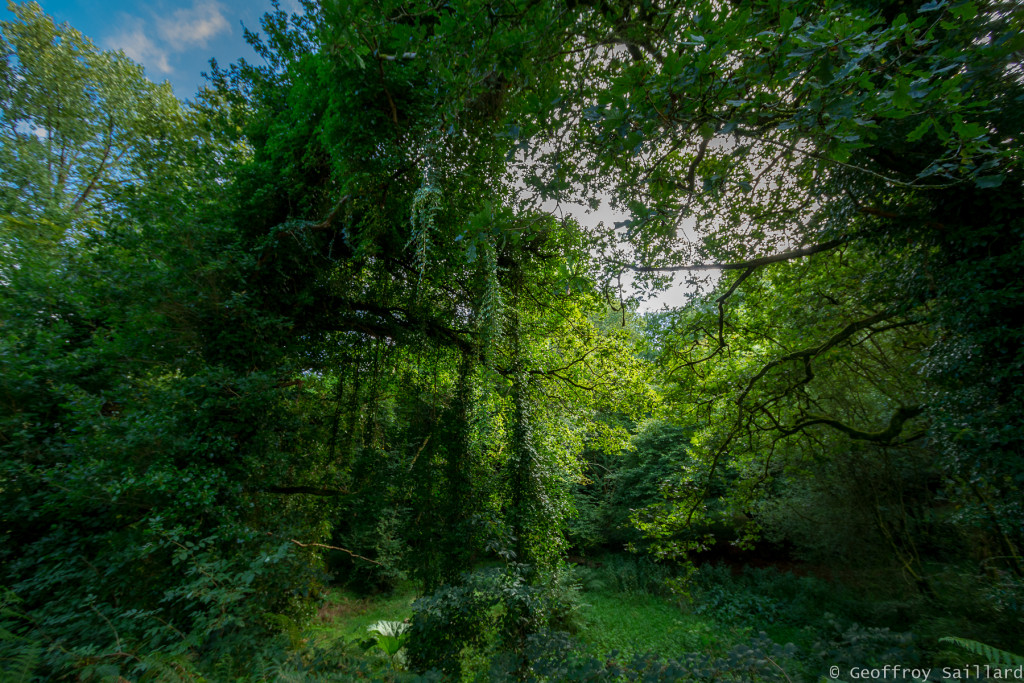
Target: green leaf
{"points": [[969, 131], [964, 11], [901, 94], [920, 130], [990, 181]]}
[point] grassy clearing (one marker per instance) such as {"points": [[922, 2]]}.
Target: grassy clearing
{"points": [[608, 620], [634, 622], [345, 616], [623, 606], [637, 624]]}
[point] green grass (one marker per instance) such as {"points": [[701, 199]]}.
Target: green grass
{"points": [[632, 623], [638, 623], [345, 615]]}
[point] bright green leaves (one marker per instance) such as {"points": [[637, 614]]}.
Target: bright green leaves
{"points": [[791, 356], [78, 122]]}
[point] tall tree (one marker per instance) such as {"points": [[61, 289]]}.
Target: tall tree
{"points": [[138, 473], [77, 122]]}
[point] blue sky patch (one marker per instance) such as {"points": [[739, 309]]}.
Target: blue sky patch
{"points": [[173, 39]]}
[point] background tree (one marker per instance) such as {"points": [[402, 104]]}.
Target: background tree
{"points": [[754, 137], [78, 122]]}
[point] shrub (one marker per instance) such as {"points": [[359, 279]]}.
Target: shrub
{"points": [[452, 618], [552, 656]]}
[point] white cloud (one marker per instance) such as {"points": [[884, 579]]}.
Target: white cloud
{"points": [[193, 27], [153, 43], [136, 43]]}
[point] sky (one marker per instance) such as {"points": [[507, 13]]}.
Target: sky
{"points": [[173, 39]]}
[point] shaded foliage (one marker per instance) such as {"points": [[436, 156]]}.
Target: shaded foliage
{"points": [[324, 308]]}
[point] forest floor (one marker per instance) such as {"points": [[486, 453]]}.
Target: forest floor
{"points": [[621, 607], [606, 621]]}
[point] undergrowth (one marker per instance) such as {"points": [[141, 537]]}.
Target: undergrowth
{"points": [[615, 620]]}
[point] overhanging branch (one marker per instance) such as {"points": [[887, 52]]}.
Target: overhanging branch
{"points": [[744, 265], [304, 490], [895, 427], [807, 354], [329, 220]]}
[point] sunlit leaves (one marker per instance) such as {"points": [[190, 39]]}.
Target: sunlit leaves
{"points": [[77, 121]]}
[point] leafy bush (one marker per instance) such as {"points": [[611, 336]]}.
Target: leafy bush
{"points": [[738, 606], [452, 618], [315, 663], [489, 609], [847, 645], [552, 656], [563, 600], [716, 592]]}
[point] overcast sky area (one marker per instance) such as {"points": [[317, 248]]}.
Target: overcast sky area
{"points": [[173, 39]]}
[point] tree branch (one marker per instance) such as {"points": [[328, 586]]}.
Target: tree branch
{"points": [[304, 490], [721, 303], [329, 220], [895, 427], [332, 547], [742, 265], [691, 173], [807, 354]]}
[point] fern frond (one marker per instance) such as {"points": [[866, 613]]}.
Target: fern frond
{"points": [[19, 666], [992, 654], [284, 672], [166, 669], [19, 655]]}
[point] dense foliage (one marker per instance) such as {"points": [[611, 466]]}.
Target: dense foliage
{"points": [[322, 324]]}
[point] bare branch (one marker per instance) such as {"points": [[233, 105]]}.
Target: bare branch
{"points": [[332, 547]]}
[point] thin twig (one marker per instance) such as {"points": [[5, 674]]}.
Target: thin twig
{"points": [[332, 547]]}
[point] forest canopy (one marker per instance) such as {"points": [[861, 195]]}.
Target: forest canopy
{"points": [[320, 323]]}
